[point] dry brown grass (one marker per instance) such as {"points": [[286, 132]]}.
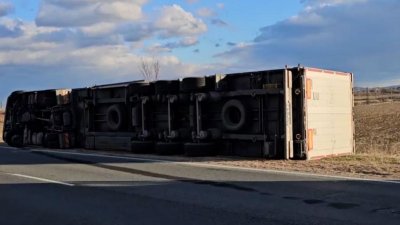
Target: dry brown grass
{"points": [[360, 165]]}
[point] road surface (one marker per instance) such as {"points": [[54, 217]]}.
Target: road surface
{"points": [[50, 187]]}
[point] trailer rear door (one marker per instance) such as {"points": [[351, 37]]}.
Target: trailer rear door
{"points": [[329, 113]]}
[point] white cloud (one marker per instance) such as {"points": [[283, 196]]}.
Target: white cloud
{"points": [[52, 47], [99, 29], [205, 12], [50, 57], [218, 22], [323, 3], [220, 5], [356, 36], [10, 28], [133, 32], [169, 46], [75, 43], [192, 1], [5, 8], [63, 13], [101, 22], [175, 21], [189, 41]]}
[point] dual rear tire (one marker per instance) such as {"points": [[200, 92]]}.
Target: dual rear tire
{"points": [[115, 117]]}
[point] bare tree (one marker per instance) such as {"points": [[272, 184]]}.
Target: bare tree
{"points": [[156, 68], [150, 69]]}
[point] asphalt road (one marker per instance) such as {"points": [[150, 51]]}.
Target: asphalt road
{"points": [[41, 187]]}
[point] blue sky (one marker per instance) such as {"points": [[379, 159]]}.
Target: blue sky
{"points": [[73, 43]]}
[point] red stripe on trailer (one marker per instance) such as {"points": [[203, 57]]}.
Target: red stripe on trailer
{"points": [[343, 73], [309, 88], [314, 70], [328, 72]]}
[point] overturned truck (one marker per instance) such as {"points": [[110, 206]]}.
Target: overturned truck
{"points": [[290, 113]]}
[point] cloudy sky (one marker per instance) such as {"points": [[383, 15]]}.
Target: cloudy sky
{"points": [[73, 43]]}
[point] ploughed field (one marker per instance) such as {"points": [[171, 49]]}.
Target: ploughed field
{"points": [[377, 147], [378, 128]]}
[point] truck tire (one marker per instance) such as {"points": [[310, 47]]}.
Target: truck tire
{"points": [[16, 141], [7, 138], [233, 115], [46, 101], [193, 84], [67, 120], [27, 117], [39, 137], [200, 149], [168, 148], [142, 147], [215, 96], [184, 97], [163, 87], [51, 140], [115, 117], [34, 139]]}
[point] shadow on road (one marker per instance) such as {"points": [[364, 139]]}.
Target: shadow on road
{"points": [[197, 202], [167, 193]]}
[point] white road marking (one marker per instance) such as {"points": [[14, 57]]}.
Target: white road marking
{"points": [[40, 179], [207, 165]]}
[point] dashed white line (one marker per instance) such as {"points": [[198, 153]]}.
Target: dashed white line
{"points": [[40, 179]]}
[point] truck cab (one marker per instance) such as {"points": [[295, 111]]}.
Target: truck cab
{"points": [[41, 118]]}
